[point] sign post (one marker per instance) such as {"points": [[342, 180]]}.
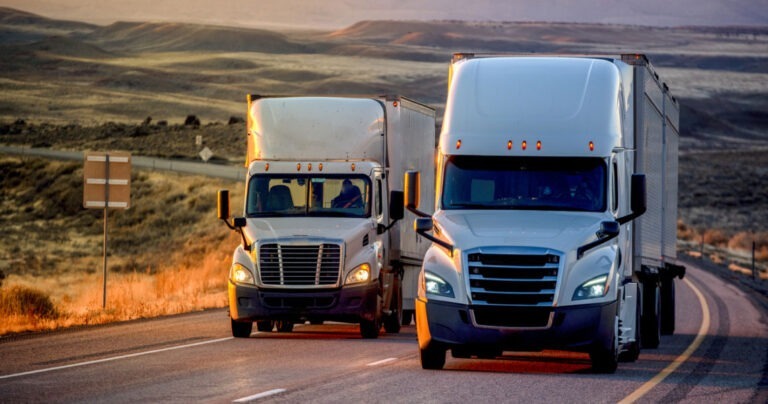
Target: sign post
{"points": [[107, 184]]}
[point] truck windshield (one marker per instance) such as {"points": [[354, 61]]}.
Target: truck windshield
{"points": [[279, 195], [543, 183]]}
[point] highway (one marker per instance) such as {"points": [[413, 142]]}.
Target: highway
{"points": [[193, 358]]}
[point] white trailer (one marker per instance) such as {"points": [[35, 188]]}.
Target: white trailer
{"points": [[321, 237], [542, 237]]}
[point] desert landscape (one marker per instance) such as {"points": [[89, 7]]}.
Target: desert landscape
{"points": [[152, 88]]}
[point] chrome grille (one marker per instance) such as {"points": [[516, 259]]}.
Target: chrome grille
{"points": [[299, 265], [513, 279]]}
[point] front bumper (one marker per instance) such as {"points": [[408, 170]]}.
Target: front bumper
{"points": [[569, 328], [347, 304]]}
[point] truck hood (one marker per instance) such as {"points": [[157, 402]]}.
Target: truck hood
{"points": [[562, 231], [346, 229]]}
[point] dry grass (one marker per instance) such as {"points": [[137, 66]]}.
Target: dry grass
{"points": [[168, 253]]}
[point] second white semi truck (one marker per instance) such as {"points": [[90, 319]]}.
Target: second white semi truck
{"points": [[321, 234], [556, 210]]}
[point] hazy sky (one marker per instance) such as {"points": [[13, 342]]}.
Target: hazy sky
{"points": [[340, 13]]}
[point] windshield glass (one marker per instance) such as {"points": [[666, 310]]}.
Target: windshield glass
{"points": [[277, 195], [543, 183]]}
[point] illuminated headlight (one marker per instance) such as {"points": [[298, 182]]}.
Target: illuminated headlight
{"points": [[240, 274], [436, 285], [361, 273], [595, 287]]}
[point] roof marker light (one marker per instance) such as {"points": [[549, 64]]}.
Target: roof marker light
{"points": [[353, 166], [525, 145], [298, 166], [394, 103], [538, 145], [591, 146], [320, 166], [266, 167], [458, 144], [509, 145], [309, 166]]}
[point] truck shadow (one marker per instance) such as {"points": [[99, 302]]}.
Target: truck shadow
{"points": [[339, 331]]}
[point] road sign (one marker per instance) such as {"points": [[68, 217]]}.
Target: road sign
{"points": [[206, 154], [107, 180]]}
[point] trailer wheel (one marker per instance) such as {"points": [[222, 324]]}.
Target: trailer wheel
{"points": [[393, 320], [284, 326], [651, 326], [407, 317], [265, 325], [241, 329], [606, 359], [667, 293], [433, 356]]}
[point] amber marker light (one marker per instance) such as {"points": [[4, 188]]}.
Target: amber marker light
{"points": [[394, 103], [524, 145], [309, 166], [298, 166], [538, 145], [353, 166], [458, 144], [320, 166], [266, 167], [591, 146], [509, 145]]}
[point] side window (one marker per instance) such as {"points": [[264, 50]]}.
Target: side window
{"points": [[378, 207], [615, 206]]}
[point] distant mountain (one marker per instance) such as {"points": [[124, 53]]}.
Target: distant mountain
{"points": [[22, 27], [332, 14]]}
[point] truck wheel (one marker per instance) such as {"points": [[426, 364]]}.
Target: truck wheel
{"points": [[284, 326], [650, 325], [370, 329], [407, 317], [606, 359], [241, 329], [667, 293], [433, 356], [265, 326], [393, 320]]}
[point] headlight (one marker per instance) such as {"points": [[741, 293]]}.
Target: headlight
{"points": [[241, 274], [361, 273], [436, 285], [595, 287]]}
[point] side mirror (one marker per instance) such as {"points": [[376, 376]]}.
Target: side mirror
{"points": [[396, 205], [423, 224], [638, 190], [608, 230], [239, 222], [412, 186], [223, 205]]}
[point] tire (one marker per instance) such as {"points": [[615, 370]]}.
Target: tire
{"points": [[432, 357], [395, 318], [370, 329], [606, 359], [461, 353], [667, 297], [650, 320], [265, 325], [284, 326], [407, 317], [241, 329]]}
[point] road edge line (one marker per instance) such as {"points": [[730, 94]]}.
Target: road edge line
{"points": [[703, 328]]}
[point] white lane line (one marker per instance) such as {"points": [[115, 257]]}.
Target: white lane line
{"points": [[260, 395], [114, 358], [381, 362], [647, 386]]}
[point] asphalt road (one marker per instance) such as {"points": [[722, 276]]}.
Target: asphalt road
{"points": [[192, 358]]}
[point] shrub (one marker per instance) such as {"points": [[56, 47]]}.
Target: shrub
{"points": [[25, 301]]}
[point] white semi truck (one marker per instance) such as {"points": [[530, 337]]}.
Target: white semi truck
{"points": [[556, 210], [321, 239]]}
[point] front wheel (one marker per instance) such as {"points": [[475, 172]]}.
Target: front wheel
{"points": [[433, 356], [606, 359], [284, 326], [241, 329], [265, 325]]}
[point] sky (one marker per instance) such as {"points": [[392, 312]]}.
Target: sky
{"points": [[330, 14]]}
